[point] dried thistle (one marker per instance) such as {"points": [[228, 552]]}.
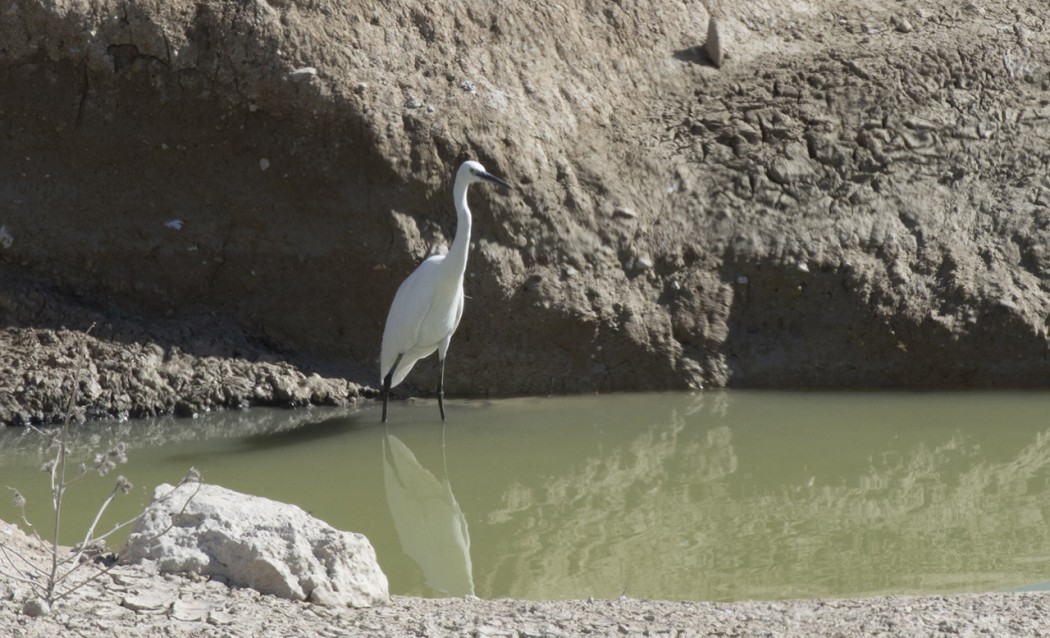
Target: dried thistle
{"points": [[105, 462], [56, 581], [119, 453]]}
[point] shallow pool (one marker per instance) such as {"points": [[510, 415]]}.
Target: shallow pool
{"points": [[710, 496]]}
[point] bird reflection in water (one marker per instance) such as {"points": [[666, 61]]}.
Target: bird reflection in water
{"points": [[429, 523]]}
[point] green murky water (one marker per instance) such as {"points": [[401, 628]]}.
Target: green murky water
{"points": [[715, 496]]}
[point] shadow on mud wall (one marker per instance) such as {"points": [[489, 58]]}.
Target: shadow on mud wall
{"points": [[226, 231], [792, 327]]}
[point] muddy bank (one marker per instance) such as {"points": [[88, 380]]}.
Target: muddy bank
{"points": [[856, 197], [116, 364], [137, 601]]}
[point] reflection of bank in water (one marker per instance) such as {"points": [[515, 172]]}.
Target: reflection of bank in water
{"points": [[780, 495], [429, 524]]}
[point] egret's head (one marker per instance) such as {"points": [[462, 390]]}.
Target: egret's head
{"points": [[471, 171]]}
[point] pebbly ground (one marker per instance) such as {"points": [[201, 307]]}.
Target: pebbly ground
{"points": [[138, 601]]}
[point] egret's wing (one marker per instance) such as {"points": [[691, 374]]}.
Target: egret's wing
{"points": [[407, 312], [457, 315], [459, 311]]}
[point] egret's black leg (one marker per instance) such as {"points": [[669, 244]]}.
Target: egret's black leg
{"points": [[386, 392], [441, 391], [386, 385]]}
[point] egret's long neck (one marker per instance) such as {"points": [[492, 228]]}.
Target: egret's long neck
{"points": [[457, 254]]}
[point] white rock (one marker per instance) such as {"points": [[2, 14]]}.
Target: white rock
{"points": [[148, 601], [272, 547], [303, 73], [190, 610]]}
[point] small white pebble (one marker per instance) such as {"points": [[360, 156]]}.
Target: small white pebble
{"points": [[264, 163], [174, 224], [303, 73]]}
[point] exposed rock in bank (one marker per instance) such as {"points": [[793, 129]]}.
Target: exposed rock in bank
{"points": [[248, 541], [713, 44]]}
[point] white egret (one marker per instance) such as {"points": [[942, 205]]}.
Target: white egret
{"points": [[429, 304]]}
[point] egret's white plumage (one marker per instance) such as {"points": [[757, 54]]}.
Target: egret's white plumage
{"points": [[429, 304]]}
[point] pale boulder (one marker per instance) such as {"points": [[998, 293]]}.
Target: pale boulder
{"points": [[248, 541]]}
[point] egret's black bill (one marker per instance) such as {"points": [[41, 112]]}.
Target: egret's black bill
{"points": [[495, 180]]}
